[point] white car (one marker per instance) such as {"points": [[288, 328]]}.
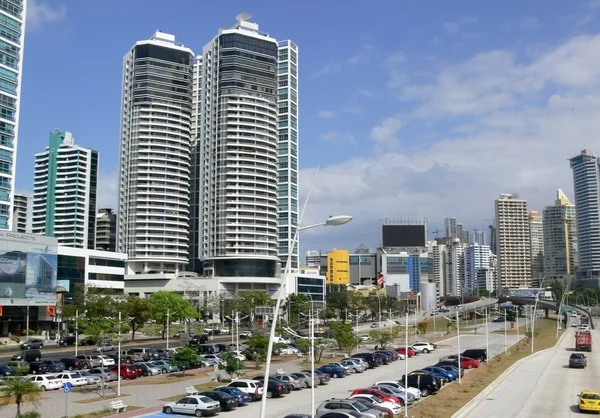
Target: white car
{"points": [[394, 408], [239, 356], [106, 361], [423, 347], [416, 392], [47, 382], [584, 327], [73, 378], [288, 351], [364, 338], [281, 340], [574, 315], [197, 405], [251, 387]]}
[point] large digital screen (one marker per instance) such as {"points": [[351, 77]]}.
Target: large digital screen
{"points": [[27, 269], [403, 236]]}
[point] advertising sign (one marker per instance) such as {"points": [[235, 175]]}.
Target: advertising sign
{"points": [[28, 266], [63, 286], [526, 293]]}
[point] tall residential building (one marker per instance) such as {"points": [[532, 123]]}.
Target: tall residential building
{"points": [[313, 258], [287, 149], [536, 236], [106, 230], [438, 255], [451, 231], [155, 156], [237, 156], [493, 238], [12, 37], [21, 213], [466, 237], [460, 229], [64, 192], [513, 242], [586, 183], [478, 237], [560, 239], [455, 269], [477, 257]]}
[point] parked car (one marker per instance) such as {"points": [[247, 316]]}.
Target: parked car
{"points": [[324, 378], [378, 393], [414, 391], [92, 379], [147, 369], [309, 380], [54, 366], [576, 360], [28, 355], [369, 358], [364, 338], [333, 371], [242, 397], [165, 366], [73, 363], [19, 366], [90, 361], [382, 357], [426, 383], [347, 369], [47, 382], [245, 335], [438, 371], [31, 343], [106, 374], [104, 346], [391, 408], [423, 347], [74, 378], [479, 354], [441, 380], [37, 367], [354, 365], [6, 371], [402, 350], [291, 380], [452, 369], [198, 405], [348, 405], [250, 387], [275, 387], [67, 340], [226, 401], [106, 361], [392, 391], [127, 371]]}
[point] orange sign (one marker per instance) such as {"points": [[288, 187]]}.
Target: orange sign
{"points": [[1, 309], [51, 310]]}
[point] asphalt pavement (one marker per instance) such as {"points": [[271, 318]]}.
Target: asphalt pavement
{"points": [[542, 385]]}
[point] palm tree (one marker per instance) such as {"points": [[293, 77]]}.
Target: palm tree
{"points": [[22, 390]]}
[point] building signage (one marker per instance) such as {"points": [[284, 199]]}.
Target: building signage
{"points": [[526, 293]]}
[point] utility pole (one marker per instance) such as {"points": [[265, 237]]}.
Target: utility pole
{"points": [[168, 321], [119, 360], [77, 331]]}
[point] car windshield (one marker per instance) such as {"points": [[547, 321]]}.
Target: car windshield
{"points": [[593, 396], [51, 377], [205, 399], [359, 406]]}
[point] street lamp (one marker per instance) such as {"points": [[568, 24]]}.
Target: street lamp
{"points": [[27, 322], [458, 343], [487, 319], [332, 221], [537, 297]]}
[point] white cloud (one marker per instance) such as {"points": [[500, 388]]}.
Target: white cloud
{"points": [[108, 190], [510, 127], [41, 12], [338, 138], [452, 27], [530, 22], [326, 114], [455, 27], [363, 56], [331, 68]]}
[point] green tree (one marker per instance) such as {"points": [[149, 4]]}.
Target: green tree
{"points": [[383, 337], [344, 336], [167, 307], [558, 288], [233, 365], [137, 311], [257, 349], [249, 299], [185, 357], [422, 327], [337, 300], [21, 390], [296, 304]]}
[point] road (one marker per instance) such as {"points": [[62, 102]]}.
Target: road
{"points": [[541, 386]]}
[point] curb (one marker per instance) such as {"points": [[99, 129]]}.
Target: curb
{"points": [[473, 403]]}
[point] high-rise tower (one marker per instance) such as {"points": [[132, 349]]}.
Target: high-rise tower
{"points": [[586, 183], [560, 239], [64, 192], [536, 237], [238, 125], [155, 156], [12, 36]]}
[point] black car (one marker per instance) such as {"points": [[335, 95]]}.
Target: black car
{"points": [[37, 367], [6, 371], [226, 401], [54, 366], [479, 354], [578, 360], [385, 358], [73, 363], [390, 353], [28, 355], [426, 383], [196, 339], [67, 340], [275, 387], [369, 358]]}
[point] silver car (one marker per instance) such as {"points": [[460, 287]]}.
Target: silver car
{"points": [[308, 380], [92, 379], [347, 405], [106, 374], [355, 366], [290, 380]]}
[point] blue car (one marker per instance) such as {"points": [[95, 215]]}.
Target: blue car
{"points": [[333, 371], [242, 397], [439, 372], [453, 370]]}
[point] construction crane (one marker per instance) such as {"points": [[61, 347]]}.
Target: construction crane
{"points": [[437, 232]]}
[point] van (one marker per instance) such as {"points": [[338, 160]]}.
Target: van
{"points": [[369, 358], [479, 354], [28, 355], [132, 356]]}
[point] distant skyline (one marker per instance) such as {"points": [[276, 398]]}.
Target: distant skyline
{"points": [[414, 109]]}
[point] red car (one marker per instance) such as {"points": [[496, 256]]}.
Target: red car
{"points": [[468, 363], [402, 350], [127, 371], [378, 393]]}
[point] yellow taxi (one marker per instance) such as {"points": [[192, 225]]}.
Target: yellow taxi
{"points": [[589, 401]]}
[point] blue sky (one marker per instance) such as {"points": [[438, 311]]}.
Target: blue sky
{"points": [[409, 108]]}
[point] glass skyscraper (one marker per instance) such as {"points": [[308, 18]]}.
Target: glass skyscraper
{"points": [[12, 33]]}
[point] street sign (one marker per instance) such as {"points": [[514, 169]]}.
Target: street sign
{"points": [[68, 387]]}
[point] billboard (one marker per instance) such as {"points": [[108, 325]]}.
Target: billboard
{"points": [[27, 269], [403, 235]]}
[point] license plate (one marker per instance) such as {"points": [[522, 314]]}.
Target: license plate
{"points": [[590, 403]]}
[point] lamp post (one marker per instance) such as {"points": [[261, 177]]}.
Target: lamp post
{"points": [[486, 315], [119, 360], [537, 297], [77, 332], [27, 320], [406, 364], [169, 320], [332, 221], [458, 343]]}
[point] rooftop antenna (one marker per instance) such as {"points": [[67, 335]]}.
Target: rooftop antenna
{"points": [[242, 17]]}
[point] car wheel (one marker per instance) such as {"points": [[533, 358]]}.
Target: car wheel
{"points": [[41, 345], [269, 394], [306, 385], [168, 410], [198, 413], [470, 367], [163, 371], [424, 392], [426, 351], [33, 372], [37, 359], [43, 388], [70, 368]]}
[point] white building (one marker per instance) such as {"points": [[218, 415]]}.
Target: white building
{"points": [[477, 257], [406, 270], [451, 227], [478, 237], [22, 213], [313, 258], [12, 39], [513, 242], [64, 192], [536, 236], [287, 151], [237, 159], [560, 240], [90, 268], [438, 254], [155, 158], [455, 268]]}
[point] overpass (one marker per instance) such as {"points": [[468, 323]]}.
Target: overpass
{"points": [[547, 305]]}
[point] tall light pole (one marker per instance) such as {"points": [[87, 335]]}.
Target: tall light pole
{"points": [[406, 364], [169, 320], [119, 360], [537, 297], [332, 221], [77, 332], [458, 343], [486, 318]]}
